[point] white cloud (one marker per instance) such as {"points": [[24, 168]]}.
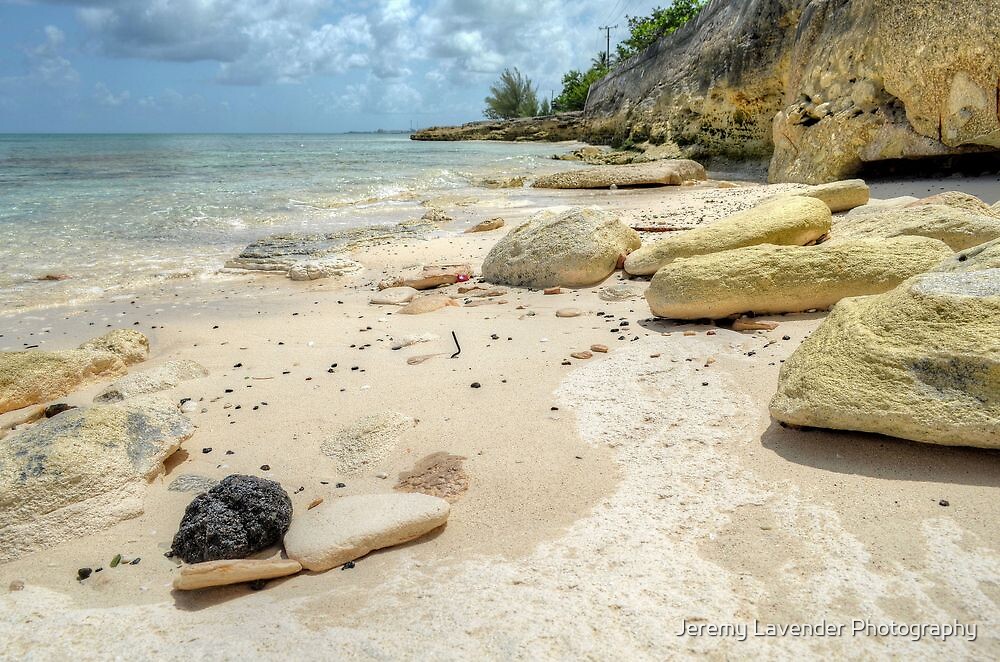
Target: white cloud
{"points": [[47, 65], [106, 97]]}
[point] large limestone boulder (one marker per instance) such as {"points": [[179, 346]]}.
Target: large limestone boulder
{"points": [[655, 173], [921, 362], [784, 221], [155, 380], [958, 228], [839, 196], [82, 471], [785, 279], [28, 378], [576, 248], [344, 529]]}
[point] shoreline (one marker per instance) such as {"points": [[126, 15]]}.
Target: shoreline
{"points": [[615, 496]]}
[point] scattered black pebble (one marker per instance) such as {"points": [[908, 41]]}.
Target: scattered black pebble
{"points": [[238, 365], [554, 409], [229, 390], [475, 385], [265, 467], [206, 450], [704, 383], [944, 503], [786, 337], [135, 561], [348, 566], [340, 486], [83, 573]]}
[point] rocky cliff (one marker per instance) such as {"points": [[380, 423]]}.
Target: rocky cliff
{"points": [[822, 86]]}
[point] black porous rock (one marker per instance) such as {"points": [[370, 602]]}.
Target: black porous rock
{"points": [[239, 516]]}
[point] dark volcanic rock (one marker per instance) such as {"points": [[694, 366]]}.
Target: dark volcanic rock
{"points": [[239, 516]]}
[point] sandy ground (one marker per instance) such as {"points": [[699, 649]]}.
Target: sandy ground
{"points": [[611, 500]]}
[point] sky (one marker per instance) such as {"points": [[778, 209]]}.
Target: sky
{"points": [[282, 65]]}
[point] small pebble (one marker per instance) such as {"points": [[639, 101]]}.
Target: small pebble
{"points": [[265, 467], [16, 585], [475, 385], [582, 355], [83, 573], [602, 349], [944, 503]]}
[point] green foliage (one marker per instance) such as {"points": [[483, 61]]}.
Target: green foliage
{"points": [[645, 30], [544, 109], [576, 85], [512, 96]]}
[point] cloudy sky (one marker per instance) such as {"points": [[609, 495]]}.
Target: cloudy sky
{"points": [[281, 65]]}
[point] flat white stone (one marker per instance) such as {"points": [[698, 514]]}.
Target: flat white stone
{"points": [[345, 529], [237, 571]]}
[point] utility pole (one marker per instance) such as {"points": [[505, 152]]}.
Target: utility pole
{"points": [[607, 30]]}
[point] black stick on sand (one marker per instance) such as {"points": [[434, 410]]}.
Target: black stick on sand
{"points": [[456, 345]]}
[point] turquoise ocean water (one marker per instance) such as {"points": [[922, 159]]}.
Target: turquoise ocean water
{"points": [[116, 211]]}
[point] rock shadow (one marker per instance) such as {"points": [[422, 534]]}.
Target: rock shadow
{"points": [[878, 456]]}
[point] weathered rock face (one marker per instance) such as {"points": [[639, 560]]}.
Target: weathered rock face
{"points": [[347, 528], [921, 362], [236, 518], [577, 248], [712, 88], [782, 221], [28, 378], [158, 379], [657, 173], [82, 471], [872, 80], [785, 279], [957, 228], [822, 85], [958, 200]]}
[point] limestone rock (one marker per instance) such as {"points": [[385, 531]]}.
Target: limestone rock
{"points": [[576, 248], [617, 293], [394, 296], [921, 362], [280, 252], [428, 304], [192, 483], [655, 173], [367, 441], [332, 266], [82, 471], [236, 518], [224, 573], [983, 256], [345, 529], [28, 378], [157, 379], [487, 226], [784, 279], [502, 182], [130, 345], [958, 228], [839, 196], [875, 206], [957, 200], [782, 221]]}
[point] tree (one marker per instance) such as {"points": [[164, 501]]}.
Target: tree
{"points": [[645, 30], [576, 85], [545, 109], [513, 95]]}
